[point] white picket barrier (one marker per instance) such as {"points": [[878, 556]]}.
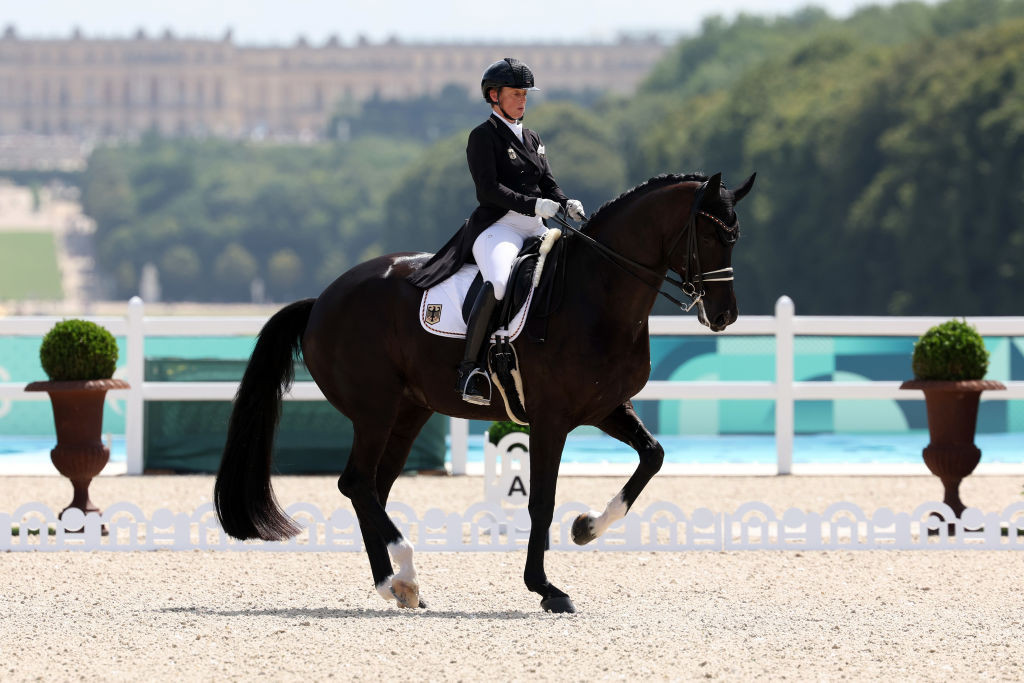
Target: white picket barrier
{"points": [[487, 527]]}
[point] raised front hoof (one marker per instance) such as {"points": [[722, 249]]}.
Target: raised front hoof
{"points": [[406, 593], [558, 605], [583, 530]]}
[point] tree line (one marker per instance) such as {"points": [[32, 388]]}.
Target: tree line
{"points": [[889, 150]]}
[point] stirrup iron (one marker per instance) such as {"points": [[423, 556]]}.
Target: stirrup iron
{"points": [[473, 398]]}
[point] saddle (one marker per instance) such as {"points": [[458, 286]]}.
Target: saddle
{"points": [[528, 274]]}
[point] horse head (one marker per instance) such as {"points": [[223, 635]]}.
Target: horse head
{"points": [[705, 264]]}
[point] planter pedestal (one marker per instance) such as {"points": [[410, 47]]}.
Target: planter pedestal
{"points": [[952, 418], [78, 417]]}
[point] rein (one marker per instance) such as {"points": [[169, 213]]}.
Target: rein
{"points": [[691, 287]]}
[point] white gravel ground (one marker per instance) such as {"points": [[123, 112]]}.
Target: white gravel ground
{"points": [[890, 615]]}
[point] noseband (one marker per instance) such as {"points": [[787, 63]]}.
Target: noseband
{"points": [[692, 287]]}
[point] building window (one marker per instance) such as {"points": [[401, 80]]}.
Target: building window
{"points": [[154, 91]]}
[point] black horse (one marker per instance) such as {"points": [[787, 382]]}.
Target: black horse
{"points": [[363, 345]]}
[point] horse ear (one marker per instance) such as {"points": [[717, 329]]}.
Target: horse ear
{"points": [[743, 189], [714, 187]]}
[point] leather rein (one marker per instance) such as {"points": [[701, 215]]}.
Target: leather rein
{"points": [[691, 287]]}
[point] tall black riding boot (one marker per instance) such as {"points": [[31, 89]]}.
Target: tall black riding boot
{"points": [[473, 384]]}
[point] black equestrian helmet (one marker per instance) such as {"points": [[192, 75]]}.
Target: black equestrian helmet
{"points": [[507, 73]]}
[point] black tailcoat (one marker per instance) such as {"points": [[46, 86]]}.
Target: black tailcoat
{"points": [[509, 176]]}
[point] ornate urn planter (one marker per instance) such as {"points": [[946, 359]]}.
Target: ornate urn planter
{"points": [[949, 362], [952, 418], [78, 417], [79, 357]]}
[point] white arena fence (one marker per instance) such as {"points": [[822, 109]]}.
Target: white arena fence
{"points": [[784, 327], [486, 527]]}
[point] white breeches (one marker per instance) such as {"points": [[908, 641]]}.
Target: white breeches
{"points": [[497, 246]]}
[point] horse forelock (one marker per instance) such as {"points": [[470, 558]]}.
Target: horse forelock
{"points": [[650, 185]]}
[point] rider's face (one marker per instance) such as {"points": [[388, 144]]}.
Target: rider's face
{"points": [[512, 100]]}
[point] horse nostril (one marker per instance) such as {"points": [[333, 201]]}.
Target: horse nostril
{"points": [[723, 319]]}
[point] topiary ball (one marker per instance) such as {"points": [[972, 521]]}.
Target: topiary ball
{"points": [[78, 350], [499, 429], [951, 351]]}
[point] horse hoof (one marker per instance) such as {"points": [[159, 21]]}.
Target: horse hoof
{"points": [[583, 530], [558, 605], [406, 593]]}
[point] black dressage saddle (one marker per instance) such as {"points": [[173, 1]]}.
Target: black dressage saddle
{"points": [[520, 282]]}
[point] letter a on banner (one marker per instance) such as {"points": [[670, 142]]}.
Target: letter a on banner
{"points": [[517, 486], [507, 470]]}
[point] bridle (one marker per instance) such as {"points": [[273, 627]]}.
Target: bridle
{"points": [[692, 286]]}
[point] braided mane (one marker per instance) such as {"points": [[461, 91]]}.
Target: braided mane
{"points": [[643, 188]]}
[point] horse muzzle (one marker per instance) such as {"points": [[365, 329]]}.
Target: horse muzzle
{"points": [[719, 322]]}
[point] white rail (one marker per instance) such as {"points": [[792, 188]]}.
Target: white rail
{"points": [[784, 326]]}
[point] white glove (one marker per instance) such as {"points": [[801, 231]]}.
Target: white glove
{"points": [[574, 208], [546, 208]]}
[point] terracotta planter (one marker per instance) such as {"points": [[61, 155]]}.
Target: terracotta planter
{"points": [[78, 417], [952, 418]]}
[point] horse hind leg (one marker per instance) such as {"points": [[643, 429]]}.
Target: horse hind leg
{"points": [[378, 456], [407, 426], [624, 425]]}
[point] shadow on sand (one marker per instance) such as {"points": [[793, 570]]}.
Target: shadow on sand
{"points": [[361, 613]]}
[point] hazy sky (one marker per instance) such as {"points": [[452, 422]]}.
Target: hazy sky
{"points": [[282, 21]]}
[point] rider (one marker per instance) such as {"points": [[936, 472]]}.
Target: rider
{"points": [[516, 191]]}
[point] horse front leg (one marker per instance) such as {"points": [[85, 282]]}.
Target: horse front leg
{"points": [[624, 425], [546, 445]]}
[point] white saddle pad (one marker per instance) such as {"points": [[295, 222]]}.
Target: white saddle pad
{"points": [[441, 307]]}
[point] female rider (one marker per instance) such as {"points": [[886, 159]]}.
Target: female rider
{"points": [[516, 191]]}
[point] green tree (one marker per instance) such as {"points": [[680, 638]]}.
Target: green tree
{"points": [[431, 201], [333, 264], [180, 269], [284, 272], [234, 270], [206, 195]]}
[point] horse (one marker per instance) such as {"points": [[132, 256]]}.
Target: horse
{"points": [[362, 342]]}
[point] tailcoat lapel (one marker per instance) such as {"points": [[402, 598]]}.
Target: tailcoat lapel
{"points": [[531, 151], [520, 147]]}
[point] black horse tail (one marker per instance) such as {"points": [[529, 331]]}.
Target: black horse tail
{"points": [[245, 501]]}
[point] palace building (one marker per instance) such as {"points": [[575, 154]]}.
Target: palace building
{"points": [[87, 88]]}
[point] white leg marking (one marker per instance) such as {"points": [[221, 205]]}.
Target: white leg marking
{"points": [[401, 554], [384, 588], [613, 512]]}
